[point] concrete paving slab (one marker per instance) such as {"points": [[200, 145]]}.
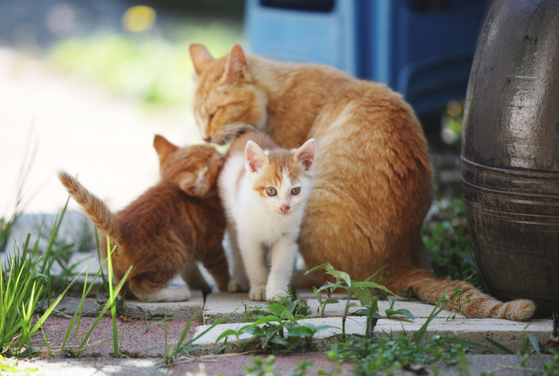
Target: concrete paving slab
{"points": [[97, 367], [496, 365], [417, 309], [70, 304], [508, 333], [218, 305]]}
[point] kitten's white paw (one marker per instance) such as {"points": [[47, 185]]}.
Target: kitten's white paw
{"points": [[275, 294], [257, 292], [238, 285]]}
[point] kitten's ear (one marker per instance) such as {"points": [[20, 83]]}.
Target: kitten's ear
{"points": [[306, 153], [236, 68], [200, 56], [187, 182], [163, 147], [254, 156], [192, 184]]}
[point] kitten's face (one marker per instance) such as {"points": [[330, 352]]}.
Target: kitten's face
{"points": [[226, 101], [281, 178], [193, 169]]}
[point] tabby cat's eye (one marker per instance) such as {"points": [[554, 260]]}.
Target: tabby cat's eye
{"points": [[211, 116], [295, 191], [271, 191]]}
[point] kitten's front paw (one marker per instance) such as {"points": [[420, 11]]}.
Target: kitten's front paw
{"points": [[238, 285], [275, 294], [257, 293]]}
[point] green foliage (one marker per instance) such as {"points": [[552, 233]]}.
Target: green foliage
{"points": [[22, 290], [451, 124], [185, 348], [12, 367], [551, 367], [448, 244], [279, 331], [322, 302], [253, 313], [361, 289], [261, 367], [150, 68], [387, 356]]}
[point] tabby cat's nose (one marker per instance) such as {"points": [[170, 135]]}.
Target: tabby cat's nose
{"points": [[207, 139], [284, 208]]}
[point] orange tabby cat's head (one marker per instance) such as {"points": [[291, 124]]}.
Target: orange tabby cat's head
{"points": [[227, 101], [193, 169]]}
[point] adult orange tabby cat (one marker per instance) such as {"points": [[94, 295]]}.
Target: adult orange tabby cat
{"points": [[373, 177]]}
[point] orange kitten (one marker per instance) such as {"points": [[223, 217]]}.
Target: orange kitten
{"points": [[373, 177], [168, 228]]}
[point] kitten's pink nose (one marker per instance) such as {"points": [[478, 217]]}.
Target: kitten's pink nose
{"points": [[207, 138], [284, 208]]}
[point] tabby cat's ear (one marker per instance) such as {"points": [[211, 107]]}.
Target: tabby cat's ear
{"points": [[254, 156], [192, 184], [163, 147], [306, 153], [200, 57], [236, 68]]}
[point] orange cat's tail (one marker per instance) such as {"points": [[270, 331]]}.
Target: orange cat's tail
{"points": [[93, 207], [429, 289]]}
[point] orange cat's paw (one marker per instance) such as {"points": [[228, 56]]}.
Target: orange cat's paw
{"points": [[238, 285], [257, 293], [165, 295]]}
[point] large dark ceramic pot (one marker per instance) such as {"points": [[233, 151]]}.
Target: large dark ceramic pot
{"points": [[510, 160]]}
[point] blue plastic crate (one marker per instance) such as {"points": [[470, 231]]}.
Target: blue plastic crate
{"points": [[421, 48]]}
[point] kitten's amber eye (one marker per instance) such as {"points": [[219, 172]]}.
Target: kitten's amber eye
{"points": [[295, 191], [271, 191]]}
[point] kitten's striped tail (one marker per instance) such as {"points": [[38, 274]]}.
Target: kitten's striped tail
{"points": [[93, 207], [429, 289]]}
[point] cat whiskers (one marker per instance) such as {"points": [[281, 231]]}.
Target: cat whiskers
{"points": [[228, 131], [306, 219]]}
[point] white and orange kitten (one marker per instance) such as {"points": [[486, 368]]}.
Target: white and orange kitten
{"points": [[264, 190]]}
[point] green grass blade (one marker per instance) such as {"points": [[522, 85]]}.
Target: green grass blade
{"points": [[500, 346], [467, 343]]}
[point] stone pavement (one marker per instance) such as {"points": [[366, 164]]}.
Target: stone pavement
{"points": [[218, 305]]}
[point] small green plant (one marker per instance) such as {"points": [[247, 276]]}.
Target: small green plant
{"points": [[182, 348], [322, 302], [280, 331], [252, 313], [361, 289], [389, 355]]}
